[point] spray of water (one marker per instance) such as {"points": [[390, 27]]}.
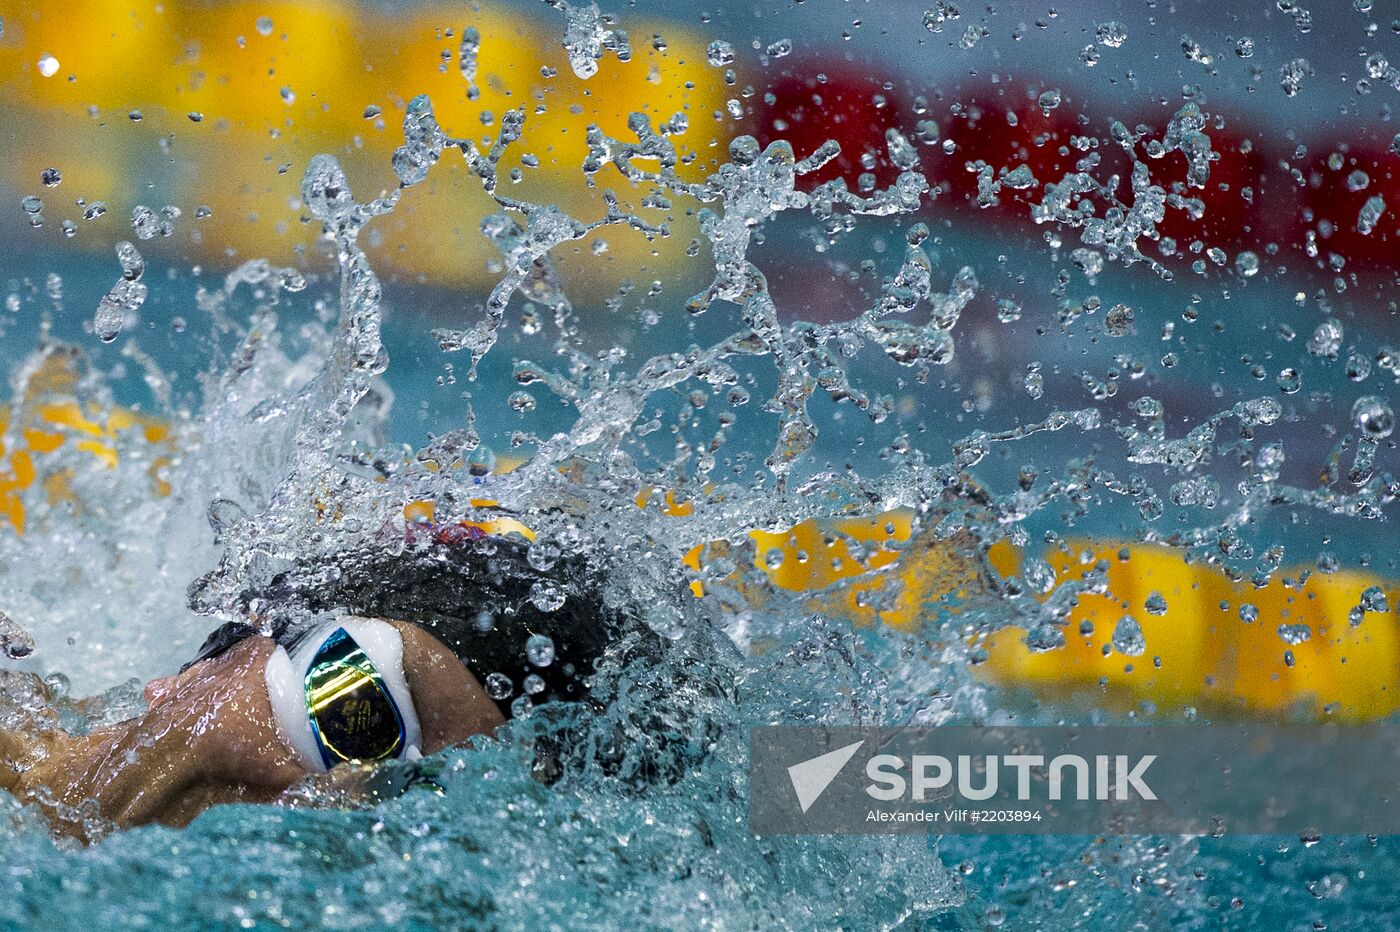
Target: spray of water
{"points": [[285, 460]]}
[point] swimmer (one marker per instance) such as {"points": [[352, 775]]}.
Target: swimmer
{"points": [[387, 664]]}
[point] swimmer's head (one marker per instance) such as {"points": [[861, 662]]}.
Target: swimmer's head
{"points": [[480, 598]]}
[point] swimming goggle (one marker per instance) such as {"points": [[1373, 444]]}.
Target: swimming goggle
{"points": [[339, 694]]}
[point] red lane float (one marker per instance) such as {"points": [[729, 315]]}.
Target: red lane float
{"points": [[1341, 180], [1264, 190]]}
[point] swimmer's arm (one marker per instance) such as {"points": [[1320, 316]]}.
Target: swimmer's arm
{"points": [[131, 773], [172, 762]]}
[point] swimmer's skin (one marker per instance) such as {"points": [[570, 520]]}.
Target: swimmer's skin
{"points": [[209, 737]]}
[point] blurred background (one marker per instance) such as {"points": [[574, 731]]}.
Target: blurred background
{"points": [[200, 119]]}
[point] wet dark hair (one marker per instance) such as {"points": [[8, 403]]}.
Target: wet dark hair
{"points": [[475, 597], [656, 736]]}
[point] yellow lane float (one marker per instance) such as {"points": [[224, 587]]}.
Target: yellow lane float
{"points": [[48, 417], [246, 93], [1339, 662]]}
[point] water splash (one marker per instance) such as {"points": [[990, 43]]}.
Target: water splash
{"points": [[126, 296], [588, 34], [286, 466]]}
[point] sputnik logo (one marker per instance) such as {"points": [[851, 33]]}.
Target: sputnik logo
{"points": [[811, 777]]}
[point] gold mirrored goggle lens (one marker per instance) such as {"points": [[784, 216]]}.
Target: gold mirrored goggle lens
{"points": [[353, 714]]}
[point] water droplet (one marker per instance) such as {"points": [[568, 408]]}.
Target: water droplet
{"points": [[1127, 637], [1118, 322], [936, 16], [264, 25], [324, 188], [1291, 76], [1370, 214], [133, 265], [1263, 411], [720, 53], [467, 54], [33, 210], [1373, 416], [1358, 367], [1327, 339], [128, 294], [51, 177], [498, 686], [1111, 34], [1148, 407], [1269, 461], [1289, 381], [1008, 311], [540, 650], [1373, 599], [110, 316], [534, 684], [543, 554], [48, 66], [546, 596], [1155, 604], [224, 515], [587, 36], [59, 686], [143, 221], [1038, 575]]}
